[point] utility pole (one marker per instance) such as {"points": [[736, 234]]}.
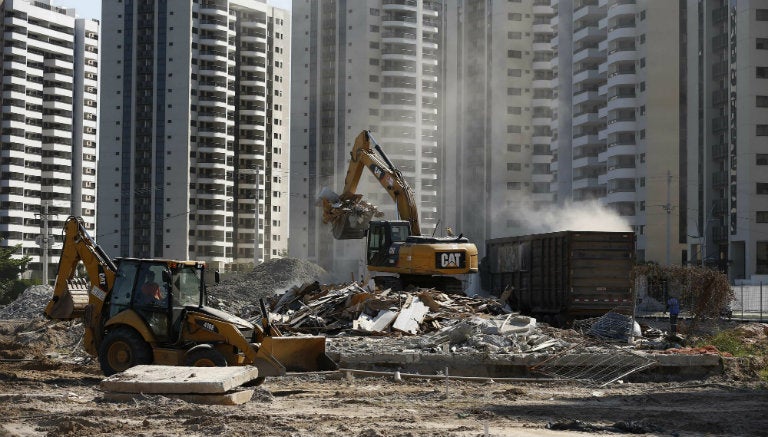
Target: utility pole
{"points": [[668, 209], [45, 240]]}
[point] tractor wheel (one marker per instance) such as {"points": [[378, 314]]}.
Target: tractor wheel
{"points": [[205, 357], [121, 349]]}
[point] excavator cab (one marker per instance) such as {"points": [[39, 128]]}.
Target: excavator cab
{"points": [[384, 239]]}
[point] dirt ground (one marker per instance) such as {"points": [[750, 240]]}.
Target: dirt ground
{"points": [[45, 393]]}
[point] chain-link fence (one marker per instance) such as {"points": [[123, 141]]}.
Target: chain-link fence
{"points": [[750, 302]]}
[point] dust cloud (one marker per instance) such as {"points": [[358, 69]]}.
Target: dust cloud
{"points": [[571, 216]]}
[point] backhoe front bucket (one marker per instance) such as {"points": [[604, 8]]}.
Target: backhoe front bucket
{"points": [[298, 354]]}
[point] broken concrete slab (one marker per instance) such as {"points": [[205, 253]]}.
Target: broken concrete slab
{"points": [[411, 316], [179, 379], [380, 323]]}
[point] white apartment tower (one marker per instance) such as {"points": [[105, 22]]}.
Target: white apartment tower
{"points": [[617, 116], [727, 125], [496, 115], [194, 130], [359, 65], [48, 144]]}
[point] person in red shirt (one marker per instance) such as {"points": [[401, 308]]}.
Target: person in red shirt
{"points": [[151, 290]]}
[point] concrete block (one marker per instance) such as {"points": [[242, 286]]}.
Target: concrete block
{"points": [[179, 379]]}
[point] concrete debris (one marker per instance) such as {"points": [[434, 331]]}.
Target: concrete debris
{"points": [[443, 323], [29, 305]]}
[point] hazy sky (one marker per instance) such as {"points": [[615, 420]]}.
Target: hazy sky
{"points": [[92, 8]]}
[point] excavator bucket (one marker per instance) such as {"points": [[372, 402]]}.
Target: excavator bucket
{"points": [[298, 354], [351, 224], [71, 303], [349, 218]]}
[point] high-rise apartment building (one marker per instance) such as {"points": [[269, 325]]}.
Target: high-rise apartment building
{"points": [[194, 130], [362, 65], [496, 107], [617, 133], [727, 135], [49, 109]]}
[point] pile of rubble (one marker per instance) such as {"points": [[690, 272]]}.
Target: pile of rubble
{"points": [[423, 319], [29, 305], [239, 293]]}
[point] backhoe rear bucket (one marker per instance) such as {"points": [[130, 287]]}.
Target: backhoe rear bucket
{"points": [[298, 354], [71, 304]]}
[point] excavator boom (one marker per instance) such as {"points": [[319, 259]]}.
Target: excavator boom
{"points": [[348, 213]]}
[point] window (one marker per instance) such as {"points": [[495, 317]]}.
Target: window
{"points": [[514, 35], [518, 54], [374, 29], [512, 129], [762, 217], [761, 72], [513, 147], [514, 91], [514, 110], [513, 166], [761, 14], [762, 101], [761, 159], [514, 72], [762, 188], [761, 43], [515, 17], [762, 130], [513, 186], [762, 257]]}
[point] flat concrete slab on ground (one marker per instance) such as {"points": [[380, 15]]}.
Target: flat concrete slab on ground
{"points": [[179, 379]]}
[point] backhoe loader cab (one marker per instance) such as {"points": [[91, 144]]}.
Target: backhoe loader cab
{"points": [[158, 291]]}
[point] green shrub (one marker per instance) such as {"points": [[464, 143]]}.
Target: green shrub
{"points": [[10, 290]]}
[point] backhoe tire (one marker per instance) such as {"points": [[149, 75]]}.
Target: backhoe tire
{"points": [[121, 349], [205, 357]]}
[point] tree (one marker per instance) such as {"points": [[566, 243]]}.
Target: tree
{"points": [[10, 269], [704, 290]]}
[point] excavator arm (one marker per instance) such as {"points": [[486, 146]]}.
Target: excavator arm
{"points": [[75, 297], [347, 212]]}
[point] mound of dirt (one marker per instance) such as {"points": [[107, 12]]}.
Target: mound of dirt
{"points": [[239, 293]]}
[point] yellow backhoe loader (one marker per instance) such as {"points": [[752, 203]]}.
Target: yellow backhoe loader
{"points": [[153, 311], [397, 254]]}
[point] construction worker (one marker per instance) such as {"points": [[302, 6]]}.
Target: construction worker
{"points": [[673, 306], [151, 290]]}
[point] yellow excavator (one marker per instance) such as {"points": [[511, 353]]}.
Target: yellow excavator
{"points": [[153, 311], [397, 254]]}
